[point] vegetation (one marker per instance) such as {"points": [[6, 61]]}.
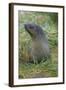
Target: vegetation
{"points": [[49, 23]]}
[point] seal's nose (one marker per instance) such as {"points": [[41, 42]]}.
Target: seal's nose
{"points": [[25, 25]]}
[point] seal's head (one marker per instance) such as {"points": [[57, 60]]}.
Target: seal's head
{"points": [[34, 30]]}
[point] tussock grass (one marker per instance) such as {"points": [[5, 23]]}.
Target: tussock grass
{"points": [[49, 23]]}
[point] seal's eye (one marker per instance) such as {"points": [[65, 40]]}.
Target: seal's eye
{"points": [[31, 27]]}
